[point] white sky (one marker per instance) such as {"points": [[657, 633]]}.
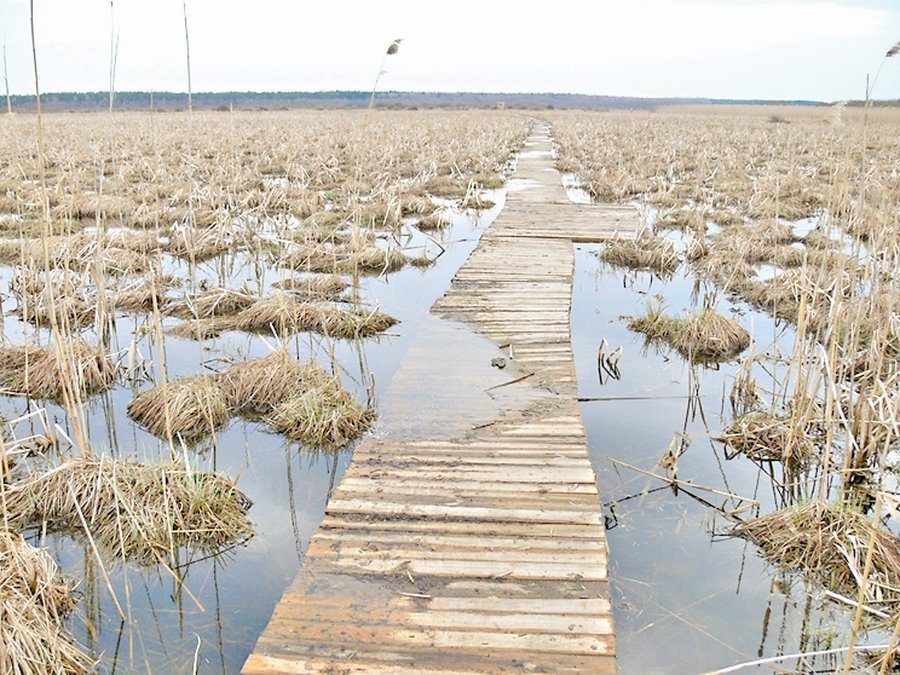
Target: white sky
{"points": [[783, 49]]}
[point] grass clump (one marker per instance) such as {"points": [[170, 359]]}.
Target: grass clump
{"points": [[313, 287], [828, 543], [256, 386], [767, 437], [285, 314], [210, 303], [190, 407], [299, 399], [135, 511], [41, 372], [646, 252], [705, 336], [324, 415], [34, 603]]}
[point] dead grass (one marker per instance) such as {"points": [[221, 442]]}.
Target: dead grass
{"points": [[285, 314], [646, 252], [189, 407], [34, 603], [313, 286], [257, 386], [828, 542], [39, 372], [210, 303], [704, 336], [324, 415], [766, 437], [134, 511]]}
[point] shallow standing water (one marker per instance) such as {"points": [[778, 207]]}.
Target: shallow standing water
{"points": [[221, 605], [685, 600]]}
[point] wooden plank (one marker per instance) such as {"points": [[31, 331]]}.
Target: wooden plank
{"points": [[502, 528]]}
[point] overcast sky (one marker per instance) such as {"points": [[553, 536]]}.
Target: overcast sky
{"points": [[782, 49]]}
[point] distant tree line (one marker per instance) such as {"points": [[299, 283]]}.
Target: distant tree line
{"points": [[274, 100]]}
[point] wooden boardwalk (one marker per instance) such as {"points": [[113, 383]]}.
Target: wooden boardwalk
{"points": [[469, 538]]}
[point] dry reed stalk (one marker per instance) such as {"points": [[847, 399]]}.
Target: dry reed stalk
{"points": [[34, 603], [189, 407], [829, 543], [40, 372], [134, 511]]}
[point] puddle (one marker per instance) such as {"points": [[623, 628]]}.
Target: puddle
{"points": [[685, 600], [225, 602], [575, 192], [522, 184], [447, 385]]}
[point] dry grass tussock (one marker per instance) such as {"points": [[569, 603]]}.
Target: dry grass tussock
{"points": [[34, 603], [828, 543], [767, 437], [324, 415], [646, 252], [704, 336], [313, 286], [286, 314], [348, 259], [297, 398], [209, 303], [40, 372], [189, 407], [135, 511]]}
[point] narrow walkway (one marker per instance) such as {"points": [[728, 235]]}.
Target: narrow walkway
{"points": [[469, 537]]}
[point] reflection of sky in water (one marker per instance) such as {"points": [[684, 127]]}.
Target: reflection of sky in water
{"points": [[227, 602], [683, 601]]}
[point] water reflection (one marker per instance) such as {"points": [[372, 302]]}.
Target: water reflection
{"points": [[206, 612], [686, 598]]}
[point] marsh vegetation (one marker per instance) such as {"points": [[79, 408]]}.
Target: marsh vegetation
{"points": [[783, 240], [191, 304]]}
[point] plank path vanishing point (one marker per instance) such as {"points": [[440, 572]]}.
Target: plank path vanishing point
{"points": [[468, 536]]}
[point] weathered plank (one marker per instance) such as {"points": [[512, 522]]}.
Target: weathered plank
{"points": [[469, 536]]}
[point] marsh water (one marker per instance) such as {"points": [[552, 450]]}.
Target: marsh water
{"points": [[686, 597]]}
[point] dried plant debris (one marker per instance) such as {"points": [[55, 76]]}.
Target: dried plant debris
{"points": [[135, 511], [189, 407], [322, 414], [34, 603], [704, 336], [209, 303], [297, 398], [828, 543], [646, 252], [286, 314], [767, 437], [257, 386], [313, 286], [75, 366]]}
